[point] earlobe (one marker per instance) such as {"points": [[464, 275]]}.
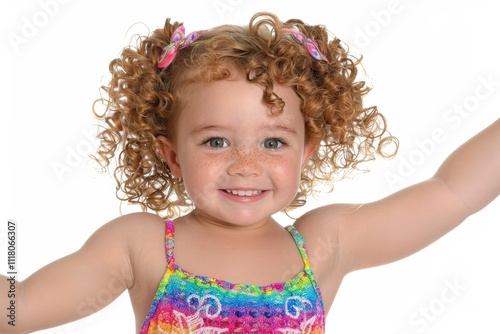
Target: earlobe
{"points": [[168, 153]]}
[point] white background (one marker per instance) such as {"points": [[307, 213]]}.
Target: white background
{"points": [[425, 59]]}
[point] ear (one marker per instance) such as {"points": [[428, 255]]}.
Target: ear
{"points": [[168, 153], [309, 150]]}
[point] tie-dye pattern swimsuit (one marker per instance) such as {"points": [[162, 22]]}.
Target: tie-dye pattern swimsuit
{"points": [[189, 303]]}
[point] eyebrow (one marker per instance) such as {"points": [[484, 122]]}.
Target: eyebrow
{"points": [[206, 128], [281, 128]]}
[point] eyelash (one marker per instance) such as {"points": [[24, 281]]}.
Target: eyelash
{"points": [[282, 142], [209, 139]]}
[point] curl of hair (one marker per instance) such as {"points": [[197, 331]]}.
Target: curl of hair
{"points": [[143, 102]]}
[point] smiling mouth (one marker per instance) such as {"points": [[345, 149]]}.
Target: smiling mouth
{"points": [[243, 193]]}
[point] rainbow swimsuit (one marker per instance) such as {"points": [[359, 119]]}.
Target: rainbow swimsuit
{"points": [[189, 303]]}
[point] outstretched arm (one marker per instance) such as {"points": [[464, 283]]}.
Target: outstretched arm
{"points": [[411, 219], [399, 225], [71, 287]]}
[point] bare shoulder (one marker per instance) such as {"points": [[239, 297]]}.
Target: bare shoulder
{"points": [[321, 229], [129, 229], [139, 233], [325, 221], [128, 238], [143, 229], [134, 223]]}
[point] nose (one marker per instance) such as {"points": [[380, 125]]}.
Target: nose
{"points": [[245, 162]]}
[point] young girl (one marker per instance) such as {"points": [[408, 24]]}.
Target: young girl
{"points": [[216, 131]]}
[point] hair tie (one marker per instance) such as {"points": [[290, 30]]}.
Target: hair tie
{"points": [[178, 41], [308, 43]]}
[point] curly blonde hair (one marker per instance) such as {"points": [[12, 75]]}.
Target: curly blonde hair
{"points": [[143, 102]]}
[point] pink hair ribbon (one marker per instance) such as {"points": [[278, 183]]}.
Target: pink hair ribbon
{"points": [[177, 42], [308, 43]]}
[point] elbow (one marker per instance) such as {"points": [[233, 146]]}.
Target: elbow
{"points": [[467, 199]]}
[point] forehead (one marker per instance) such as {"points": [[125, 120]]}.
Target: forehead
{"points": [[236, 99]]}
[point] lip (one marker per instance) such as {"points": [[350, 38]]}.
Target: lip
{"points": [[242, 195]]}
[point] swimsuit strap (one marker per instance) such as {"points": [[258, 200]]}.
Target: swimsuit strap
{"points": [[301, 245], [169, 243]]}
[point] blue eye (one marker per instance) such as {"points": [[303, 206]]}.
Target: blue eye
{"points": [[216, 142], [273, 143]]}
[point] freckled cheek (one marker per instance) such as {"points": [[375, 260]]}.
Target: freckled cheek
{"points": [[212, 164], [203, 174], [285, 170]]}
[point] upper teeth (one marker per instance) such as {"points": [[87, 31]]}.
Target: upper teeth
{"points": [[244, 192]]}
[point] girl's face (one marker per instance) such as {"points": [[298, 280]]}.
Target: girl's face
{"points": [[239, 163]]}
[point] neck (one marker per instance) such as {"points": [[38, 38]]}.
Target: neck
{"points": [[227, 229]]}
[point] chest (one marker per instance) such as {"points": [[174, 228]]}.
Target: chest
{"points": [[236, 265]]}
